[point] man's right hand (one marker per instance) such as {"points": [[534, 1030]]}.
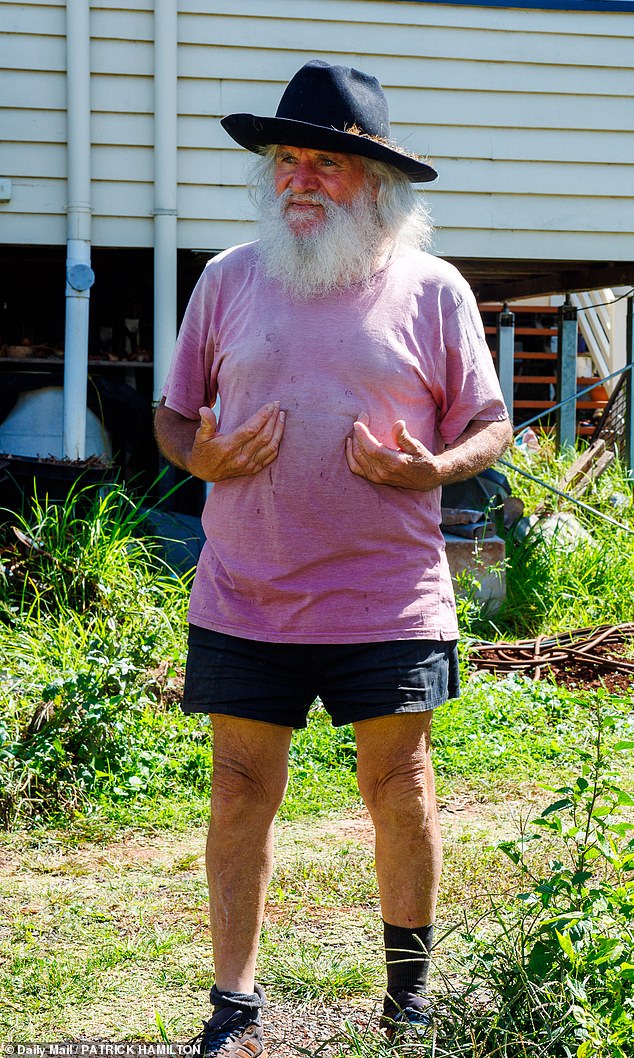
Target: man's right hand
{"points": [[243, 452]]}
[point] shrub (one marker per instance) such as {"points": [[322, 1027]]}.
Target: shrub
{"points": [[552, 972]]}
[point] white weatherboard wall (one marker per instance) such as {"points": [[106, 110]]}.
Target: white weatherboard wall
{"points": [[528, 115]]}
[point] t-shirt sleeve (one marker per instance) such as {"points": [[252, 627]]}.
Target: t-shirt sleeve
{"points": [[188, 384], [465, 384]]}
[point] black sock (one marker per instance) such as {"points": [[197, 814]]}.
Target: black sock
{"points": [[407, 955], [248, 1004]]}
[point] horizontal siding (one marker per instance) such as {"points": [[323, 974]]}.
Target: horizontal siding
{"points": [[370, 12], [122, 57], [23, 127], [466, 74], [33, 121], [546, 179], [468, 210], [517, 108], [546, 245], [30, 90], [423, 41], [477, 141], [430, 107], [122, 62], [495, 100], [535, 245], [32, 113]]}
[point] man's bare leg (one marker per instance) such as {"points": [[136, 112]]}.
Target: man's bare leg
{"points": [[396, 781], [249, 782]]}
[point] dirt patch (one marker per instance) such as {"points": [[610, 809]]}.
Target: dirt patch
{"points": [[313, 1029], [168, 852], [580, 677], [167, 684], [356, 828]]}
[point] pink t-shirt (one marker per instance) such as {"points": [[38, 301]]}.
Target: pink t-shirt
{"points": [[306, 551]]}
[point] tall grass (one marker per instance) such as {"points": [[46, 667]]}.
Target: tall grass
{"points": [[88, 610]]}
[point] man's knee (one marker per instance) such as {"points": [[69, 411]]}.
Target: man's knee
{"points": [[400, 795], [243, 787], [250, 768]]}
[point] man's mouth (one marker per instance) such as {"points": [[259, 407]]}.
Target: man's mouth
{"points": [[302, 205]]}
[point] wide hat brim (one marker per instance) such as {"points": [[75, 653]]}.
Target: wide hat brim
{"points": [[256, 133]]}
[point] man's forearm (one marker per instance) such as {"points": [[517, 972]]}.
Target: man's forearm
{"points": [[481, 444], [175, 435]]}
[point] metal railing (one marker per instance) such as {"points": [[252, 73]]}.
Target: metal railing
{"points": [[565, 407]]}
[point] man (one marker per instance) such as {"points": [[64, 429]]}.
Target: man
{"points": [[354, 381]]}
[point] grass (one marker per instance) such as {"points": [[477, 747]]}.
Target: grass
{"points": [[556, 582], [321, 968], [343, 875], [91, 933], [96, 938], [99, 936]]}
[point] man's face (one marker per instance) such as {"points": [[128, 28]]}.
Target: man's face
{"points": [[304, 174]]}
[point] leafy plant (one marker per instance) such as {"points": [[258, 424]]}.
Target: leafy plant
{"points": [[557, 976]]}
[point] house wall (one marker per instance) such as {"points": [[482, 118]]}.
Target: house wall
{"points": [[527, 114]]}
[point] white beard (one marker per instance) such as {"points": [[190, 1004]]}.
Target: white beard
{"points": [[344, 249]]}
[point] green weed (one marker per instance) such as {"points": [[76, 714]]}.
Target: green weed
{"points": [[343, 877], [304, 970], [556, 978], [514, 729], [322, 762]]}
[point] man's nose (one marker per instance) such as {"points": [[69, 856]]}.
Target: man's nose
{"points": [[304, 178]]}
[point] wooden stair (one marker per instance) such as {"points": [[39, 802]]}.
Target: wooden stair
{"points": [[535, 374]]}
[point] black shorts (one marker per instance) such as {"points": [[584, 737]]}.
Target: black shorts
{"points": [[278, 682]]}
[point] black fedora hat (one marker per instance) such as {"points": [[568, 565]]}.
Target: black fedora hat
{"points": [[320, 106]]}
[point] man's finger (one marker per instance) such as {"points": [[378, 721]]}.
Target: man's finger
{"points": [[351, 458], [278, 431], [255, 442], [362, 436], [208, 423], [253, 452], [404, 439], [263, 448], [258, 421], [271, 426]]}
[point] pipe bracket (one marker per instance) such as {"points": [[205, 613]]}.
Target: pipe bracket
{"points": [[80, 276]]}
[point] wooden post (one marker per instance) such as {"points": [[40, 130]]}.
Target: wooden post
{"points": [[506, 355], [567, 375]]}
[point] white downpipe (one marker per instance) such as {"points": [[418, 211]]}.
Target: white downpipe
{"points": [[165, 186], [79, 275]]}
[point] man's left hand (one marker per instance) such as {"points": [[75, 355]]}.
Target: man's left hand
{"points": [[412, 466], [409, 466]]}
